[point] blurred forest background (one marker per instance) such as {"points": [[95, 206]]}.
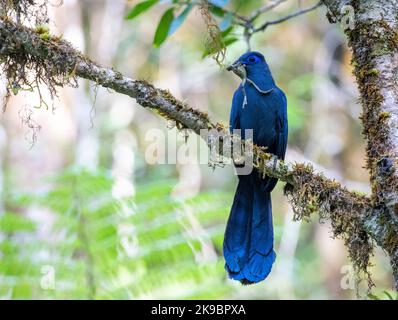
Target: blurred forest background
{"points": [[84, 216]]}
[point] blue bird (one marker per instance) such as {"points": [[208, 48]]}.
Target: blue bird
{"points": [[260, 105]]}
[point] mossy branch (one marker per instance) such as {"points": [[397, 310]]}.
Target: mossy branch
{"points": [[57, 63]]}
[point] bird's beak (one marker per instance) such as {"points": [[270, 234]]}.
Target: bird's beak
{"points": [[235, 65], [238, 68]]}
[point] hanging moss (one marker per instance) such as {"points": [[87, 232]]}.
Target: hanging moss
{"points": [[214, 42], [312, 193], [28, 72], [33, 12]]}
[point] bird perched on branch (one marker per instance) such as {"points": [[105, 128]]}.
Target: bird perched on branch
{"points": [[257, 104]]}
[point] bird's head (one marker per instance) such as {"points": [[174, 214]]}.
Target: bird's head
{"points": [[248, 63]]}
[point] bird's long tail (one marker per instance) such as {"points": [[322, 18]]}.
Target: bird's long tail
{"points": [[248, 242]]}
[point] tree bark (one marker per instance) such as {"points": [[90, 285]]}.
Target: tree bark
{"points": [[373, 39]]}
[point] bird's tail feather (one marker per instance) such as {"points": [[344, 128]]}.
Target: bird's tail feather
{"points": [[248, 242]]}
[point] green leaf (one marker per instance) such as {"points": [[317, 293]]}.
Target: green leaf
{"points": [[388, 295], [373, 297], [227, 31], [163, 28], [217, 11], [178, 21], [140, 8], [227, 42]]}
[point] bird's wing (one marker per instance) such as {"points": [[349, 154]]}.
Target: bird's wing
{"points": [[282, 126], [272, 130], [237, 102]]}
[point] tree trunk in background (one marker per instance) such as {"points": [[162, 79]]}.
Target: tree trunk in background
{"points": [[87, 150]]}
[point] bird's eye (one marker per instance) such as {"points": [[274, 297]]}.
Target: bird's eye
{"points": [[252, 59]]}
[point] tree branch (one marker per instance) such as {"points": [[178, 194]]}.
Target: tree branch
{"points": [[351, 214], [265, 8], [247, 22], [288, 17]]}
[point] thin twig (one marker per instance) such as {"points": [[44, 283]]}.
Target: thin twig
{"points": [[264, 9], [288, 17]]}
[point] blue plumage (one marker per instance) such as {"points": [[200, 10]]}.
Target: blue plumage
{"points": [[260, 105]]}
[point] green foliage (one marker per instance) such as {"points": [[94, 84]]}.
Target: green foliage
{"points": [[13, 222], [163, 27], [149, 246], [169, 23], [217, 11], [386, 295], [226, 38], [140, 8]]}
